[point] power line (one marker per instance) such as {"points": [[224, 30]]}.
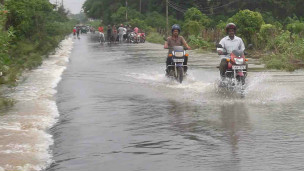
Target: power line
{"points": [[183, 10], [177, 8]]}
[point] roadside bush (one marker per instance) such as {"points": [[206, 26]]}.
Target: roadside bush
{"points": [[156, 20], [288, 52], [198, 42], [248, 22], [192, 28], [155, 37], [266, 36], [296, 27]]}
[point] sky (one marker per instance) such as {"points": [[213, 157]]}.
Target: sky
{"points": [[73, 5]]}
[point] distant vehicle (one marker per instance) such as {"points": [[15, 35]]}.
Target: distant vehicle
{"points": [[84, 29]]}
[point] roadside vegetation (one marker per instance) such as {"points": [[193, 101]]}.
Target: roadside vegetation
{"points": [[274, 27], [29, 31]]}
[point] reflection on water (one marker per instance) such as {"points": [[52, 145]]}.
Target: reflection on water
{"points": [[235, 121]]}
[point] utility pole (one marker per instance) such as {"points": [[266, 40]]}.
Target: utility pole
{"points": [[167, 15], [126, 10], [140, 6]]}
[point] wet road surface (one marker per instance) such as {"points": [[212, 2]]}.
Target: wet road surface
{"points": [[117, 111]]}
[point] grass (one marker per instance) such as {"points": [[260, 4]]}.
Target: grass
{"points": [[155, 37]]}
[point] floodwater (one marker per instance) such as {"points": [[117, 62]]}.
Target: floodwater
{"points": [[115, 110]]}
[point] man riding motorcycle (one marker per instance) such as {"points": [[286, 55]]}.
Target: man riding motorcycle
{"points": [[229, 43], [175, 40]]}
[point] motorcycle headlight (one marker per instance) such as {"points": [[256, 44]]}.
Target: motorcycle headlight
{"points": [[239, 61], [179, 54]]}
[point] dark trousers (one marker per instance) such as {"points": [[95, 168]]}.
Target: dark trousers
{"points": [[223, 66]]}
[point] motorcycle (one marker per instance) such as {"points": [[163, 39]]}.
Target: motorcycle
{"points": [[176, 69], [142, 37], [235, 75], [137, 38], [132, 37]]}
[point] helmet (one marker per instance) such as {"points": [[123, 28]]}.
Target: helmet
{"points": [[176, 27], [230, 26]]}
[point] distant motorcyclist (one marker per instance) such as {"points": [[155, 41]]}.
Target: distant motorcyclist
{"points": [[121, 30], [175, 40], [78, 31], [136, 30], [229, 43], [109, 33], [101, 34], [100, 29], [114, 33], [74, 31]]}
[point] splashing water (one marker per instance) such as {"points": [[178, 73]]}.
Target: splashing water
{"points": [[25, 143]]}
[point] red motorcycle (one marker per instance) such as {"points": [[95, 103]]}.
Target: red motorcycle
{"points": [[236, 72], [237, 67], [142, 37]]}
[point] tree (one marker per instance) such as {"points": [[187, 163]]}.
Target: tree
{"points": [[248, 23]]}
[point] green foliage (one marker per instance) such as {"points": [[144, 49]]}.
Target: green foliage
{"points": [[193, 14], [32, 29], [138, 23], [221, 26], [155, 20], [248, 23], [192, 28], [266, 36], [28, 17], [288, 52], [120, 15], [154, 37], [5, 39], [296, 27], [198, 42]]}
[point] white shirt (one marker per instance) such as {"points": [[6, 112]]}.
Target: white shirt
{"points": [[230, 45], [120, 30]]}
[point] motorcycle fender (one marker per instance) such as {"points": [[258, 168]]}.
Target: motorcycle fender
{"points": [[240, 73], [229, 65], [179, 64]]}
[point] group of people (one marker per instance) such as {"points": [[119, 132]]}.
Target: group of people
{"points": [[118, 34], [229, 43]]}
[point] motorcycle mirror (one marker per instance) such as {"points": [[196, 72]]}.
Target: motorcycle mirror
{"points": [[218, 46], [250, 46]]}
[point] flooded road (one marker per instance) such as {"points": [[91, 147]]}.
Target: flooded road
{"points": [[117, 111]]}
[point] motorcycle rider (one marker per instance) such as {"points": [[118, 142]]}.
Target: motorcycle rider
{"points": [[109, 33], [101, 34], [229, 43], [175, 40], [121, 33]]}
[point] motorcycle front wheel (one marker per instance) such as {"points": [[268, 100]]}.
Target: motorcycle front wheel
{"points": [[180, 74]]}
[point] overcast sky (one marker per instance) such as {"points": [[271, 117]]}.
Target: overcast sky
{"points": [[73, 5]]}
